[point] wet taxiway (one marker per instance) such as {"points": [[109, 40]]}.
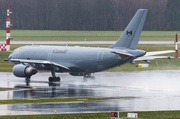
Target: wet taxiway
{"points": [[145, 90]]}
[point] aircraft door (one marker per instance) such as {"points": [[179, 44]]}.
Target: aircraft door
{"points": [[100, 57], [49, 56]]}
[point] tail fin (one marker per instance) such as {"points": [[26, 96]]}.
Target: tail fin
{"points": [[130, 36]]}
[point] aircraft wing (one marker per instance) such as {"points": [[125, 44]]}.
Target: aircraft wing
{"points": [[158, 52], [150, 55], [42, 62], [150, 58]]}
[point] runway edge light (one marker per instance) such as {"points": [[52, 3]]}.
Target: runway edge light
{"points": [[176, 46], [55, 111]]}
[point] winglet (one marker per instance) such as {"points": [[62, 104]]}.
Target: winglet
{"points": [[169, 57], [147, 61]]}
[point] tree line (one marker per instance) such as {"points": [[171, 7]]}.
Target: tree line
{"points": [[88, 14]]}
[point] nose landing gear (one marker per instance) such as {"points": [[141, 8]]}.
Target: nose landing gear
{"points": [[27, 80]]}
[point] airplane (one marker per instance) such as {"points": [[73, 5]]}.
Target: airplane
{"points": [[81, 61]]}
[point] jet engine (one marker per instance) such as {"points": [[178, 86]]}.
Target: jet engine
{"points": [[21, 70]]}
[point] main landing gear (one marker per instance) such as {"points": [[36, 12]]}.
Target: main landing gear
{"points": [[54, 78], [88, 76]]}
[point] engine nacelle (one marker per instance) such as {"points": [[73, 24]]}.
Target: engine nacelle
{"points": [[21, 70]]}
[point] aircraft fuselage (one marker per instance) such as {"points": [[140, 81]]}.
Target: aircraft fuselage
{"points": [[80, 59]]}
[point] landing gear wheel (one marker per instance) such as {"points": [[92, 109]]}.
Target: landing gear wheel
{"points": [[50, 79], [54, 79], [58, 79]]}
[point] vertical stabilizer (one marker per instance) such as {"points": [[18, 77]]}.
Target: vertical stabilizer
{"points": [[130, 36]]}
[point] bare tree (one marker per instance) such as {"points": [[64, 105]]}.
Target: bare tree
{"points": [[83, 14]]}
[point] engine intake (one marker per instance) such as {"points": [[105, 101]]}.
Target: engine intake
{"points": [[21, 70]]}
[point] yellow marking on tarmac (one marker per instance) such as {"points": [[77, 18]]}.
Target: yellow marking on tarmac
{"points": [[55, 111], [32, 87]]}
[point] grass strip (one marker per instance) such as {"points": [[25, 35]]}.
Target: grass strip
{"points": [[56, 100], [7, 89], [52, 100], [141, 115], [60, 35]]}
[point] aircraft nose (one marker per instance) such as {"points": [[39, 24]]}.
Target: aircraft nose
{"points": [[9, 58]]}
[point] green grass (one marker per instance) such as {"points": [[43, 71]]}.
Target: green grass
{"points": [[55, 100], [54, 35], [141, 115], [158, 64], [50, 100], [8, 89]]}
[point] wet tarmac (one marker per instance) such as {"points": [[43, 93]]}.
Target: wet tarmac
{"points": [[149, 90]]}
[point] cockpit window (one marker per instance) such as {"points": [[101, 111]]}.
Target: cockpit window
{"points": [[12, 52]]}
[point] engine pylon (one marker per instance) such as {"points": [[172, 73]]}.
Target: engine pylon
{"points": [[176, 46]]}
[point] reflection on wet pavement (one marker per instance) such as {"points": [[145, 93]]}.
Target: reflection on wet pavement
{"points": [[153, 90]]}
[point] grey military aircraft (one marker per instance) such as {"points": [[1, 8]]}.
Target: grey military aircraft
{"points": [[80, 61]]}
